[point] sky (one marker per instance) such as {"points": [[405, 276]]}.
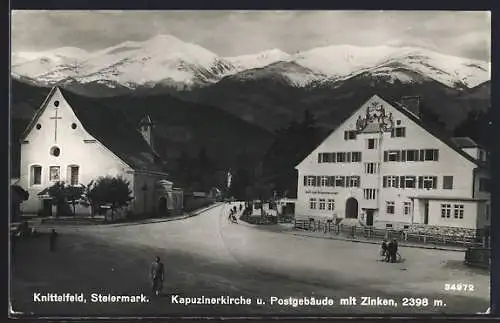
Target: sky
{"points": [[233, 33]]}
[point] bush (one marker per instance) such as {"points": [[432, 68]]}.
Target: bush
{"points": [[108, 191]]}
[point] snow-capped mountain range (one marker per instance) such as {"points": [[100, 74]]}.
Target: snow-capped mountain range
{"points": [[167, 60]]}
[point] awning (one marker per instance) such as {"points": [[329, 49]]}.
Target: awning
{"points": [[20, 193], [44, 194]]}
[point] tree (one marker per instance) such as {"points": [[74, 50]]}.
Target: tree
{"points": [[74, 195], [113, 192], [292, 144], [88, 198], [58, 193], [63, 194]]}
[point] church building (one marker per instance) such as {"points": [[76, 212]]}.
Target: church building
{"points": [[383, 167], [76, 140]]}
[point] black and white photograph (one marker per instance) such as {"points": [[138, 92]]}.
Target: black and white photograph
{"points": [[249, 163]]}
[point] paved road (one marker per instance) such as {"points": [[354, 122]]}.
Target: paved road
{"points": [[208, 256]]}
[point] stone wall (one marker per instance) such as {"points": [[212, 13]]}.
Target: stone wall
{"points": [[437, 230]]}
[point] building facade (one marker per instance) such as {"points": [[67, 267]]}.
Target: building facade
{"points": [[76, 140], [383, 167]]}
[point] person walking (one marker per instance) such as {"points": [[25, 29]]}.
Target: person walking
{"points": [[390, 249], [384, 251], [53, 240], [394, 251], [157, 276]]}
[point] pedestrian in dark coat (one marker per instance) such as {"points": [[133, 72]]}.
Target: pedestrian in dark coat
{"points": [[394, 250], [390, 250], [53, 240], [157, 276], [384, 249]]}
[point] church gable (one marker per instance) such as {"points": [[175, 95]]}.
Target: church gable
{"points": [[53, 120]]}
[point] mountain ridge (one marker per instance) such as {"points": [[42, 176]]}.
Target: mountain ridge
{"points": [[169, 61]]}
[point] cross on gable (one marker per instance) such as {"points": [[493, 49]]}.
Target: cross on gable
{"points": [[55, 118]]}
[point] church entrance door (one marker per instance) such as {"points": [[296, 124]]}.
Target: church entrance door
{"points": [[162, 205], [351, 208], [47, 208]]}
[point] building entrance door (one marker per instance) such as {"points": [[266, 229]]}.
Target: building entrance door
{"points": [[426, 212], [351, 208], [369, 217]]}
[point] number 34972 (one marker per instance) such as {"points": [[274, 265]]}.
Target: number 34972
{"points": [[460, 287]]}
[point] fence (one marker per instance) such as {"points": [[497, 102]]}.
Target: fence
{"points": [[370, 233]]}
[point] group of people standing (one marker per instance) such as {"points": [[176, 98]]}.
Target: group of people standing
{"points": [[232, 213], [390, 250]]}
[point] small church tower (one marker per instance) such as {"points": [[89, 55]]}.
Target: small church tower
{"points": [[146, 129]]}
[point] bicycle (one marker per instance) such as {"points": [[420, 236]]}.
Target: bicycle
{"points": [[383, 257]]}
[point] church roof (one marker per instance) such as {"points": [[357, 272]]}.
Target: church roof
{"points": [[111, 128]]}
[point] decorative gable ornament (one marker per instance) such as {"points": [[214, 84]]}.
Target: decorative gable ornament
{"points": [[375, 119]]}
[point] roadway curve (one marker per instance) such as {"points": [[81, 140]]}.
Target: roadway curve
{"points": [[205, 255]]}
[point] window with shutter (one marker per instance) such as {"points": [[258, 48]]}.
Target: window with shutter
{"points": [[447, 182], [402, 181], [436, 155], [421, 155], [434, 182], [348, 181], [420, 182], [319, 157], [398, 155], [73, 174], [429, 154], [386, 155], [403, 155], [349, 157], [36, 175], [410, 181], [318, 180], [334, 157], [385, 181], [305, 180], [346, 135]]}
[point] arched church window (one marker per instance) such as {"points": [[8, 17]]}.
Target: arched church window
{"points": [[36, 175], [73, 174], [55, 151]]}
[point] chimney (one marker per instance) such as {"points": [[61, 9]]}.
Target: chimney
{"points": [[412, 104], [146, 129]]}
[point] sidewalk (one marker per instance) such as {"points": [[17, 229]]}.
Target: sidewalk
{"points": [[38, 222], [173, 218], [361, 239]]}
